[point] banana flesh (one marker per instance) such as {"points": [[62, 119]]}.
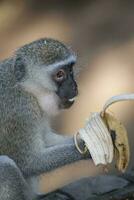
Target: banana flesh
{"points": [[120, 141]]}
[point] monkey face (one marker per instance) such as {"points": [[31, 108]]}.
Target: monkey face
{"points": [[54, 90], [67, 88], [45, 70]]}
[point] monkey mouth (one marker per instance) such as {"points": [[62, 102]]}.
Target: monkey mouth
{"points": [[72, 99], [67, 103]]}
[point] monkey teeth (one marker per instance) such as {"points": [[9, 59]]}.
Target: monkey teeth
{"points": [[71, 100]]}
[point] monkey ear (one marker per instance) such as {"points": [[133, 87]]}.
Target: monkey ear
{"points": [[19, 69]]}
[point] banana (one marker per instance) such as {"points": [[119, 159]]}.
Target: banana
{"points": [[96, 132], [120, 141]]}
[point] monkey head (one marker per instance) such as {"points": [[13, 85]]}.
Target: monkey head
{"points": [[44, 68]]}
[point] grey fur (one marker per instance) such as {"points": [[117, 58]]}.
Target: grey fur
{"points": [[26, 136]]}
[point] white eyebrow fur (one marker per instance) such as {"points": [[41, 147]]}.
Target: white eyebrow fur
{"points": [[59, 64]]}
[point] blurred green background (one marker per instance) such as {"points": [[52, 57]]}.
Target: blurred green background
{"points": [[102, 34]]}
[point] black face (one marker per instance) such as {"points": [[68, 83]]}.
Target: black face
{"points": [[67, 87]]}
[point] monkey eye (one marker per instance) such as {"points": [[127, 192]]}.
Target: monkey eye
{"points": [[60, 75]]}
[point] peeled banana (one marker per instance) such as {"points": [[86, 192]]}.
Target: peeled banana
{"points": [[105, 136]]}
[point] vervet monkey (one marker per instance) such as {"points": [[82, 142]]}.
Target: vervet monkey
{"points": [[36, 83]]}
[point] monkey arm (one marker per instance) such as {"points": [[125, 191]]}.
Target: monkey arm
{"points": [[53, 157], [12, 183], [53, 139], [62, 175]]}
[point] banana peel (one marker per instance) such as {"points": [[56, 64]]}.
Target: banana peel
{"points": [[120, 141]]}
